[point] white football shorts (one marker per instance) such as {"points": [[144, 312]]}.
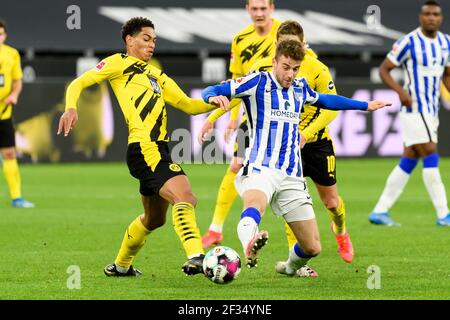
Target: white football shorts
{"points": [[288, 196], [418, 128]]}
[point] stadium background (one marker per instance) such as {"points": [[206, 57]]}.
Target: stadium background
{"points": [[193, 48]]}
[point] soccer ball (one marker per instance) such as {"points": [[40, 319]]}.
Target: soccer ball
{"points": [[221, 264]]}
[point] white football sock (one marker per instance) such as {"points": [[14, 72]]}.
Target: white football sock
{"points": [[295, 262], [395, 184], [247, 229], [436, 190]]}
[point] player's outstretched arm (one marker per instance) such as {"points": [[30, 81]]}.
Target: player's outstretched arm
{"points": [[336, 102], [221, 94], [377, 104], [218, 95], [220, 101], [193, 106], [70, 117], [108, 68], [176, 97], [216, 114]]}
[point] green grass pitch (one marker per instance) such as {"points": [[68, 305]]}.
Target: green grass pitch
{"points": [[83, 209]]}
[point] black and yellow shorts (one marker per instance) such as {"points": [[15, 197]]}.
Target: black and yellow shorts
{"points": [[7, 138], [151, 181], [319, 162], [242, 140]]}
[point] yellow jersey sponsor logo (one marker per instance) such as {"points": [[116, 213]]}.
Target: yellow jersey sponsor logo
{"points": [[174, 167]]}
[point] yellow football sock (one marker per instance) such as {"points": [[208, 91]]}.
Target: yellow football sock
{"points": [[225, 198], [338, 217], [133, 240], [12, 176], [185, 225], [290, 236]]}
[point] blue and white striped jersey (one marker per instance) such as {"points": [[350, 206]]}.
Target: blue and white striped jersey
{"points": [[273, 115], [423, 60]]}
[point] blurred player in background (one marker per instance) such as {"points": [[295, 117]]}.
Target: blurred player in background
{"points": [[142, 91], [424, 55], [272, 171], [318, 157], [10, 88], [254, 42]]}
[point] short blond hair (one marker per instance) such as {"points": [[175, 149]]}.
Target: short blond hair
{"points": [[290, 28]]}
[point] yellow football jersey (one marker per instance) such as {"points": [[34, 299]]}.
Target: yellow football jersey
{"points": [[248, 47], [314, 121], [10, 69], [142, 92]]}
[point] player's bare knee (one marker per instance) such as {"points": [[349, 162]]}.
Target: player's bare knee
{"points": [[331, 203]]}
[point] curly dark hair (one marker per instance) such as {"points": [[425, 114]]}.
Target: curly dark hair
{"points": [[3, 25], [432, 3], [133, 26]]}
